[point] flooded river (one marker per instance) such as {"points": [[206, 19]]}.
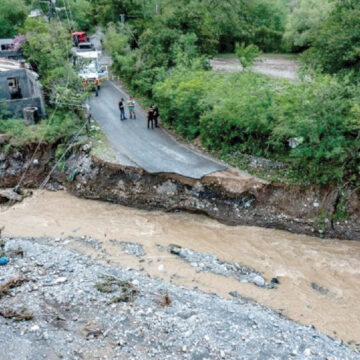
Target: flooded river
{"points": [[297, 261]]}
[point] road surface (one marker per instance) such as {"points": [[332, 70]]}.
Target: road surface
{"points": [[153, 150]]}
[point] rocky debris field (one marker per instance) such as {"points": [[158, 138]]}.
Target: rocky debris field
{"points": [[210, 263], [58, 304]]}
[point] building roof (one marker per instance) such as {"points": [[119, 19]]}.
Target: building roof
{"points": [[6, 65], [78, 33], [9, 65], [6, 41]]}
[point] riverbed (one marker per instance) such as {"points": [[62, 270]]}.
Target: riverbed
{"points": [[278, 66], [319, 279]]}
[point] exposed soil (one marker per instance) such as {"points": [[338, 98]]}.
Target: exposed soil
{"points": [[232, 197]]}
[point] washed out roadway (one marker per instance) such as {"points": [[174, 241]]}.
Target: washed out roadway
{"points": [[134, 145]]}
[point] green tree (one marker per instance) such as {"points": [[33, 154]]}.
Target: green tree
{"points": [[247, 54], [47, 44], [48, 49], [12, 17], [303, 22], [81, 13], [336, 45]]}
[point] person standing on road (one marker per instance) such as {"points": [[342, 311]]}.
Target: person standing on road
{"points": [[131, 106], [122, 109], [96, 87], [150, 118], [156, 115]]}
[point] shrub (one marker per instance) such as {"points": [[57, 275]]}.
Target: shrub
{"points": [[247, 54], [180, 99], [257, 115], [240, 115], [318, 113]]}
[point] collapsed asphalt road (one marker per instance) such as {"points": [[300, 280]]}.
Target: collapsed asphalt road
{"points": [[134, 145]]}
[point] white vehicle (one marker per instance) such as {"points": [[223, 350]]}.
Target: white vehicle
{"points": [[86, 50], [93, 71]]}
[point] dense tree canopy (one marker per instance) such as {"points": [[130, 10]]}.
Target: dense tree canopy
{"points": [[336, 45], [303, 22], [12, 17]]}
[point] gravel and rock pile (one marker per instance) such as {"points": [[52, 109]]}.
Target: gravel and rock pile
{"points": [[205, 262], [134, 249], [70, 307]]}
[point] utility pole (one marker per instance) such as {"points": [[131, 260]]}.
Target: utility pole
{"points": [[52, 5]]}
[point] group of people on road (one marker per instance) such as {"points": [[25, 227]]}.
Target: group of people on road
{"points": [[152, 114], [131, 107]]}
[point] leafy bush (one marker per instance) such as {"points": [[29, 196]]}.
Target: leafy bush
{"points": [[239, 115], [319, 114], [180, 98], [257, 115], [59, 126], [246, 54]]}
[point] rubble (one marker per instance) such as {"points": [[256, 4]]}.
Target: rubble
{"points": [[13, 195], [134, 249], [210, 263], [72, 319]]}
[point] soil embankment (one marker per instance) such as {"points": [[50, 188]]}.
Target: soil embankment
{"points": [[232, 197]]}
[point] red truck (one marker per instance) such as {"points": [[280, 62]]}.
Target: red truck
{"points": [[79, 37]]}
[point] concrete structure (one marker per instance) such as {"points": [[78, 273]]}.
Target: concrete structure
{"points": [[20, 88], [36, 13], [7, 50]]}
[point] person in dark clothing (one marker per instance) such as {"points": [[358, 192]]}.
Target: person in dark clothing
{"points": [[122, 109], [87, 118], [150, 118], [156, 114]]}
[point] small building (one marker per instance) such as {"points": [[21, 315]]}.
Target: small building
{"points": [[7, 50], [20, 88], [36, 13]]}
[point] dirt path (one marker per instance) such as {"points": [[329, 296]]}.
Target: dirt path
{"points": [[319, 278], [277, 66]]}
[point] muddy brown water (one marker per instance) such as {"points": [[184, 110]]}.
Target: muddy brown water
{"points": [[296, 260]]}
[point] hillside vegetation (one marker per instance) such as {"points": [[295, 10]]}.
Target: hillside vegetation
{"points": [[161, 51]]}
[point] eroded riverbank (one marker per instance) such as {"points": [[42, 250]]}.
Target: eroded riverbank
{"points": [[233, 197], [297, 261]]}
